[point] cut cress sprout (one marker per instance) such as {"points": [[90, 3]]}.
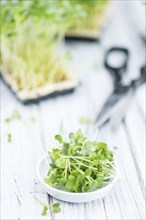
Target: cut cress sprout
{"points": [[80, 165], [55, 207]]}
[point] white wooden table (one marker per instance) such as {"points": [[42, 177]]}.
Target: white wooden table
{"points": [[19, 183]]}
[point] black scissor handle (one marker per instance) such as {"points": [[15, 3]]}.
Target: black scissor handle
{"points": [[143, 71], [117, 70], [142, 79]]}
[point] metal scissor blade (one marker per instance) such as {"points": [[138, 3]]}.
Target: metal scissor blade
{"points": [[111, 107], [120, 110]]}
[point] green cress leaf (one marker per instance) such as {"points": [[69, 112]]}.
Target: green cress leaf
{"points": [[72, 138], [102, 145], [61, 163], [80, 165], [109, 155], [71, 178], [88, 172], [55, 153], [9, 137], [46, 180], [59, 138], [14, 115], [56, 208], [44, 212], [92, 186], [65, 148], [78, 142], [80, 136], [75, 173], [70, 185], [88, 148], [80, 179]]}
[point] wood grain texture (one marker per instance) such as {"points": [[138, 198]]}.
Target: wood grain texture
{"points": [[19, 184]]}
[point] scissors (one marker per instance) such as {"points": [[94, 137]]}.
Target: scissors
{"points": [[117, 104]]}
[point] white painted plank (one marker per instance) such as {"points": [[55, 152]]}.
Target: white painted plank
{"points": [[141, 100], [128, 194], [19, 159], [136, 134]]}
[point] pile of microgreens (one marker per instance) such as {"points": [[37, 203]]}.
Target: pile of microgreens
{"points": [[93, 10], [30, 34], [80, 165]]}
